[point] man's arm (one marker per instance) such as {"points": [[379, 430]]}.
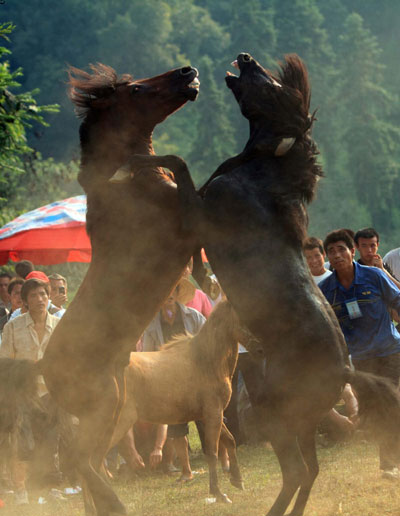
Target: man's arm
{"points": [[378, 262], [390, 292], [7, 349], [156, 454]]}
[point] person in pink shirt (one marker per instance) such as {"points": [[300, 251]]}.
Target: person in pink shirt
{"points": [[194, 297], [201, 303]]}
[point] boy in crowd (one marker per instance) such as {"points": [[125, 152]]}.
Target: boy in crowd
{"points": [[315, 256], [5, 279], [367, 244]]}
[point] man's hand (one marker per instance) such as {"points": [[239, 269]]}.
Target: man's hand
{"points": [[377, 261], [59, 300], [138, 462], [155, 457]]}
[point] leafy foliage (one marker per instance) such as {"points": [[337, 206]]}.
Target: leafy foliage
{"points": [[351, 54], [17, 113]]}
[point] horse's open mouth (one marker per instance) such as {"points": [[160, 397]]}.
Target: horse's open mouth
{"points": [[195, 84], [245, 61], [191, 88], [230, 77]]}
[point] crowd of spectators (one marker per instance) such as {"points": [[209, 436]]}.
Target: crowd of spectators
{"points": [[364, 295]]}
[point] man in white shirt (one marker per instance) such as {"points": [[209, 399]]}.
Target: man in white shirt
{"points": [[314, 253], [26, 337], [392, 259]]}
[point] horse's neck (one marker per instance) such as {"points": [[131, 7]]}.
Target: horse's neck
{"points": [[225, 354], [101, 161], [233, 358]]}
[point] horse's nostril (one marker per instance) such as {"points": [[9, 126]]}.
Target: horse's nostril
{"points": [[186, 70], [246, 57]]}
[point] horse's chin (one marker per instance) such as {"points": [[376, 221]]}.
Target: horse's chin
{"points": [[191, 93]]}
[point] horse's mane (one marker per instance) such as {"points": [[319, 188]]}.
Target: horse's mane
{"points": [[178, 340], [290, 116], [89, 91], [300, 170]]}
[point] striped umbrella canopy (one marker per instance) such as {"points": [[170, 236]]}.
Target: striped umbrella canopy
{"points": [[52, 234]]}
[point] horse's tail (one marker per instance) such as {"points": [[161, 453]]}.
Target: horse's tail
{"points": [[378, 404], [18, 388]]}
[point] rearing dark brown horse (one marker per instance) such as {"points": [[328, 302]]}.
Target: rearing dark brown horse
{"points": [[252, 220], [139, 251]]}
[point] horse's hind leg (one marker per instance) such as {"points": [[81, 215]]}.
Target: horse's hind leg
{"points": [[105, 500], [229, 441], [306, 440], [94, 435], [292, 466]]}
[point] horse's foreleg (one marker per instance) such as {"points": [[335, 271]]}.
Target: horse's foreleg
{"points": [[306, 440], [189, 201], [212, 431], [229, 441], [292, 466]]}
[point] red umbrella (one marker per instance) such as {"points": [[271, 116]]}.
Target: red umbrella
{"points": [[55, 233]]}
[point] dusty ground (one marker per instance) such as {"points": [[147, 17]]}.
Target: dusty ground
{"points": [[349, 484]]}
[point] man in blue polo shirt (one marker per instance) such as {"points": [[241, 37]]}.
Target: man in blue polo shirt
{"points": [[360, 297]]}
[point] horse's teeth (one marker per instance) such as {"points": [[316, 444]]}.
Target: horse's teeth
{"points": [[235, 64], [195, 83]]}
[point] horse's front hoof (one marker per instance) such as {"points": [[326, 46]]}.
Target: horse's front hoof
{"points": [[223, 498], [237, 483]]}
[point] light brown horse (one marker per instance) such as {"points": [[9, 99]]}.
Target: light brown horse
{"points": [[139, 251], [190, 379]]}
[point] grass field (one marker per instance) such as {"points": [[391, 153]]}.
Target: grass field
{"points": [[349, 484]]}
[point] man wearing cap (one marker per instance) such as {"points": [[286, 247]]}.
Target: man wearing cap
{"points": [[51, 307], [26, 337]]}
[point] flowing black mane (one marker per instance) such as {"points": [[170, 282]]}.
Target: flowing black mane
{"points": [[290, 116]]}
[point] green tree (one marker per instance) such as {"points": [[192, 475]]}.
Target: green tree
{"points": [[365, 108], [215, 136], [17, 113]]}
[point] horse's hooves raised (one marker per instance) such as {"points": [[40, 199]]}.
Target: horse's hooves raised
{"points": [[237, 483], [223, 498]]}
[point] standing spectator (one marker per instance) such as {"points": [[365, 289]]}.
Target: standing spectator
{"points": [[14, 291], [360, 297], [391, 261], [173, 319], [5, 279], [314, 253], [23, 268], [52, 308], [26, 337], [367, 244], [58, 292], [194, 297]]}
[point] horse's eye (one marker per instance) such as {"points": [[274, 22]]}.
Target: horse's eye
{"points": [[134, 89]]}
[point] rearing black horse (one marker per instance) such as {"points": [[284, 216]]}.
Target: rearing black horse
{"points": [[251, 219]]}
